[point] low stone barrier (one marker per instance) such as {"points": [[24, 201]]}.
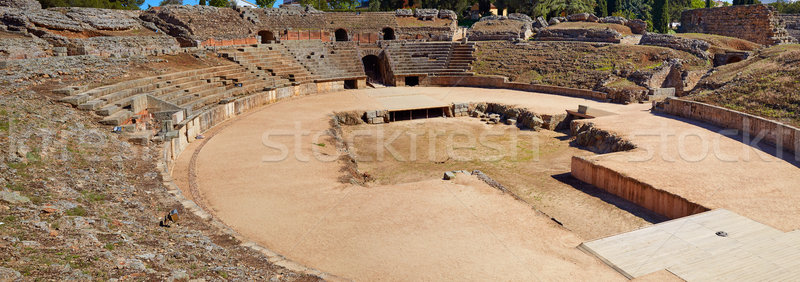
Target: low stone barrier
{"points": [[200, 122], [782, 136], [633, 190], [502, 82], [171, 149]]}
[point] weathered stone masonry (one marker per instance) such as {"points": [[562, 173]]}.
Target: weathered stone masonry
{"points": [[757, 23], [792, 22]]}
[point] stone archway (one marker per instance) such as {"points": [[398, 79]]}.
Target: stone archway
{"points": [[341, 35], [388, 33], [266, 36], [372, 68]]}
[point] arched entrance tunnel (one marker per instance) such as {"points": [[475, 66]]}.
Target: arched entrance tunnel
{"points": [[341, 35], [372, 68], [388, 34], [266, 36]]}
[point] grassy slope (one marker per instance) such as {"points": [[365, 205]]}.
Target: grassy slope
{"points": [[571, 64], [765, 85]]}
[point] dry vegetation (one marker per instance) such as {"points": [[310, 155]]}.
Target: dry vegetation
{"points": [[765, 85], [720, 44], [573, 64]]}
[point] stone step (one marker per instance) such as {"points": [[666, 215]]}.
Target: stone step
{"points": [[118, 118]]}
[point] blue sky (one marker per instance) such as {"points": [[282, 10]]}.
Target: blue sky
{"points": [[189, 2]]}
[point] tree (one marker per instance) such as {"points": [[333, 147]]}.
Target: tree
{"points": [[553, 8], [202, 3], [709, 3], [458, 6], [484, 6], [218, 3], [263, 3], [784, 7], [601, 10], [612, 6], [374, 5], [661, 16], [342, 5], [170, 2], [745, 2]]}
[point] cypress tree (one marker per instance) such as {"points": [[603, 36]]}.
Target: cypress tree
{"points": [[601, 10], [708, 3], [660, 16], [613, 6]]}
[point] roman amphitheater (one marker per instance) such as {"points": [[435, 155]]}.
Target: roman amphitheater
{"points": [[193, 142]]}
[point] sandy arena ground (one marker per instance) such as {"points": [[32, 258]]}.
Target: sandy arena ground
{"points": [[533, 165], [422, 228], [693, 160]]}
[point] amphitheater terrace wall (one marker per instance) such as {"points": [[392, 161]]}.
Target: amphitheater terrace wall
{"points": [[633, 190], [502, 82], [198, 123], [775, 133]]}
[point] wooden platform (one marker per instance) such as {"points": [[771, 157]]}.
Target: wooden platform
{"points": [[690, 248]]}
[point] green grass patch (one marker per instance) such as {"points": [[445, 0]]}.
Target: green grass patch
{"points": [[93, 197], [76, 211]]}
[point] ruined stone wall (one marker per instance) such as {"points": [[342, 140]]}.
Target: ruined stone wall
{"points": [[500, 29], [775, 133], [21, 4], [585, 35], [756, 23], [191, 24], [792, 22], [23, 48], [696, 47], [194, 24], [123, 46]]}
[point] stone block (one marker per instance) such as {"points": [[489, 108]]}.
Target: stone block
{"points": [[404, 13], [449, 175]]}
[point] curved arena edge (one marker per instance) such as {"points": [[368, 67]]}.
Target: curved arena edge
{"points": [[636, 191]]}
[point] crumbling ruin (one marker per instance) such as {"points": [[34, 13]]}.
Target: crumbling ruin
{"points": [[757, 23]]}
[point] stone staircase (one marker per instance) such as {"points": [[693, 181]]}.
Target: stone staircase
{"points": [[326, 61], [192, 90], [272, 59], [431, 58]]}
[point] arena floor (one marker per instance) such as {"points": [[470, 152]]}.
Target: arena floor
{"points": [[427, 229]]}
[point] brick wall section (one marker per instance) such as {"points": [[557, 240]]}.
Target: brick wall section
{"points": [[775, 133], [792, 22], [756, 23]]}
